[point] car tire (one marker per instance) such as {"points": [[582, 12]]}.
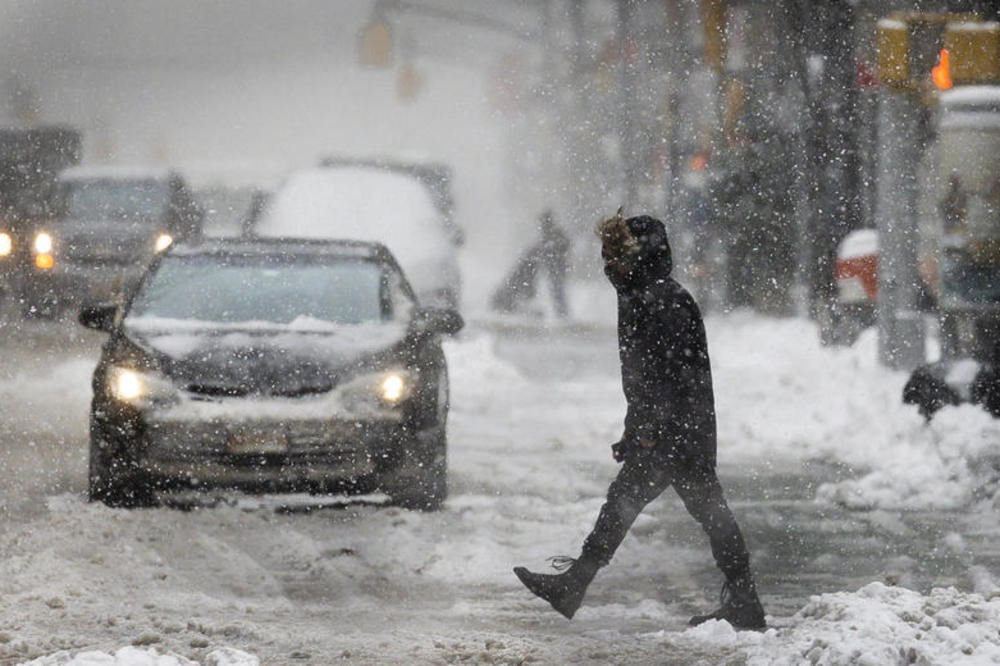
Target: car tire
{"points": [[111, 482], [428, 489]]}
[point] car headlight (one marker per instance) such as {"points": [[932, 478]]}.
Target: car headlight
{"points": [[43, 243], [377, 391], [137, 387], [6, 244], [163, 241], [393, 387]]}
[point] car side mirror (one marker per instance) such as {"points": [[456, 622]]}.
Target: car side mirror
{"points": [[99, 317], [436, 321]]}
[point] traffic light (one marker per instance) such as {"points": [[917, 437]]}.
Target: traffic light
{"points": [[974, 52], [918, 51], [375, 43]]}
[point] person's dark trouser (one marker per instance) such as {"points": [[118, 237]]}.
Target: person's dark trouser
{"points": [[641, 479]]}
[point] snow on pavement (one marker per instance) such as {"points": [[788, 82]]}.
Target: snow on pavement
{"points": [[529, 464], [875, 626]]}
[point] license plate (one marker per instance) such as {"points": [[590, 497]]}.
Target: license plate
{"points": [[257, 441]]}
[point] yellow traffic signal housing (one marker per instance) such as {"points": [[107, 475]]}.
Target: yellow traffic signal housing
{"points": [[893, 44], [375, 44], [956, 48], [974, 50]]}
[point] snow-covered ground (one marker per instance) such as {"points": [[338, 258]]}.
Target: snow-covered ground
{"points": [[807, 435]]}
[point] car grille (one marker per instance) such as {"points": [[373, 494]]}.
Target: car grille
{"points": [[216, 391], [304, 438], [87, 250]]}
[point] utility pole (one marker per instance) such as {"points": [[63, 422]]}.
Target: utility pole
{"points": [[631, 159], [586, 194], [833, 108], [900, 323]]}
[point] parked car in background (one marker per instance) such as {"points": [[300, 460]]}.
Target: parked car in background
{"points": [[375, 202], [435, 176], [271, 365], [109, 222], [30, 159]]}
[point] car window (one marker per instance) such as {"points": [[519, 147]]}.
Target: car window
{"points": [[398, 298], [269, 289], [115, 199]]}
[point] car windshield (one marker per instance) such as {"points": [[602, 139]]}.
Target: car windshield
{"points": [[115, 199], [270, 289]]}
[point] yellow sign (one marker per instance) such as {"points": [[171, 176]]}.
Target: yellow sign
{"points": [[375, 44]]}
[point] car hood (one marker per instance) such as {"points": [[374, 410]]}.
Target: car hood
{"points": [[277, 361]]}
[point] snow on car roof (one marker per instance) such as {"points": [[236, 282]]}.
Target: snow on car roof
{"points": [[115, 172], [360, 202], [277, 245]]}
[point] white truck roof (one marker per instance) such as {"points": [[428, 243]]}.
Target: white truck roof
{"points": [[114, 172]]}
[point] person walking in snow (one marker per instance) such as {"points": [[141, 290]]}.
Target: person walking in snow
{"points": [[669, 437], [550, 254], [555, 248]]}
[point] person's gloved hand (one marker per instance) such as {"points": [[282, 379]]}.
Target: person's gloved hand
{"points": [[619, 449]]}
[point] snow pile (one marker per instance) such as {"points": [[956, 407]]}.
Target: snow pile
{"points": [[949, 463], [133, 656], [780, 394], [874, 626]]}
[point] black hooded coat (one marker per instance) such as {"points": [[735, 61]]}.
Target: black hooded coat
{"points": [[666, 375]]}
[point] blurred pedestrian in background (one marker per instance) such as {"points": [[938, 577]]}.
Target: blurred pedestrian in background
{"points": [[550, 254]]}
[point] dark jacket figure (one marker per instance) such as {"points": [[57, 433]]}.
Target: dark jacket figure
{"points": [[669, 434], [549, 254], [665, 369]]}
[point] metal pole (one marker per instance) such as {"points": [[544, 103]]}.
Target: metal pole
{"points": [[585, 190], [900, 324], [630, 157]]}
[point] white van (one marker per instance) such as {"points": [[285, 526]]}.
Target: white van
{"points": [[372, 203]]}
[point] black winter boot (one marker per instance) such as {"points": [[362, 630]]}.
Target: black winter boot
{"points": [[740, 606], [563, 590]]}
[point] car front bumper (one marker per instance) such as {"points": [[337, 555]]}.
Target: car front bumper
{"points": [[81, 284], [260, 454]]}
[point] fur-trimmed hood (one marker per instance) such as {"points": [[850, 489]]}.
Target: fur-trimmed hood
{"points": [[652, 260]]}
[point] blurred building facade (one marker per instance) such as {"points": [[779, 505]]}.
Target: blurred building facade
{"points": [[748, 125]]}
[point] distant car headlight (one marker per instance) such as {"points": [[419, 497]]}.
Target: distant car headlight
{"points": [[6, 244], [43, 243], [138, 388], [163, 241]]}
